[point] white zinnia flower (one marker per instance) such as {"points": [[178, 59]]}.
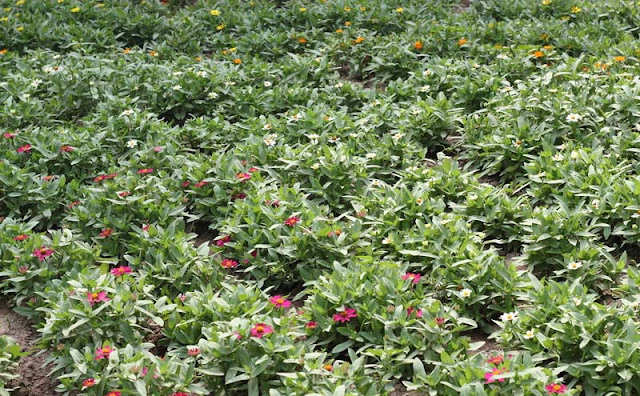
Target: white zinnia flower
{"points": [[509, 316], [270, 140], [465, 293], [528, 335], [267, 84], [132, 143], [573, 117], [574, 265], [36, 82]]}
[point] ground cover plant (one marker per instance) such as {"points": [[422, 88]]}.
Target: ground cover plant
{"points": [[328, 197]]}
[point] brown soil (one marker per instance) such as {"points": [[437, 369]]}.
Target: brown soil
{"points": [[33, 379]]}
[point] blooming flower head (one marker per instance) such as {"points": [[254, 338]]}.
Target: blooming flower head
{"points": [[509, 316], [132, 143], [345, 315], [418, 45], [243, 176], [462, 41], [200, 184], [280, 302], [228, 263], [88, 383], [43, 253], [528, 335], [555, 388], [106, 232], [9, 135], [214, 12], [95, 297], [20, 237], [291, 221], [24, 149], [465, 293], [224, 240], [260, 329], [145, 171], [270, 140], [311, 325], [573, 118], [495, 359], [114, 393], [122, 270], [411, 310], [328, 367], [415, 278], [104, 352], [574, 265], [489, 376], [193, 351]]}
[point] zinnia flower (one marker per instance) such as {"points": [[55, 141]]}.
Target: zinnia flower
{"points": [[345, 315], [104, 352], [43, 253], [122, 270], [260, 329], [180, 394], [193, 351], [242, 176], [415, 278], [280, 302], [411, 310], [224, 240], [228, 263], [88, 383], [311, 325], [495, 360], [573, 117], [24, 149], [200, 184], [66, 149], [489, 376], [94, 297], [114, 393], [291, 221], [106, 232], [555, 388], [20, 237], [145, 171], [509, 316]]}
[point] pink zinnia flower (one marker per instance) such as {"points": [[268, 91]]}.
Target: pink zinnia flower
{"points": [[72, 204], [106, 232], [411, 310], [495, 360], [66, 149], [242, 176], [280, 302], [23, 269], [260, 329], [228, 263], [24, 149], [489, 376], [238, 335], [415, 278], [43, 253], [47, 178], [9, 135], [291, 221], [158, 149], [97, 297], [145, 227], [104, 352], [345, 316], [88, 383], [222, 241], [193, 351], [145, 171], [311, 325], [122, 270], [20, 237], [556, 388]]}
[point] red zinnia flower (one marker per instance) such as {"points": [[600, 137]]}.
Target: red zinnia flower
{"points": [[114, 393], [228, 263], [495, 360], [253, 169], [556, 388], [97, 297], [145, 171], [280, 302], [311, 325], [222, 241], [145, 227], [193, 351], [238, 196], [440, 320], [43, 253], [186, 183], [72, 204], [415, 278], [47, 178], [66, 149], [24, 149], [260, 330], [200, 184], [124, 194], [88, 383], [106, 232], [328, 367], [345, 316], [20, 237], [489, 376], [122, 270], [104, 352], [243, 176], [291, 221], [23, 269]]}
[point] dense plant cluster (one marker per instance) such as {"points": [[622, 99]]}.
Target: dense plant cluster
{"points": [[323, 197]]}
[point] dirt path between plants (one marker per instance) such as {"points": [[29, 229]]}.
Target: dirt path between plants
{"points": [[33, 379]]}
